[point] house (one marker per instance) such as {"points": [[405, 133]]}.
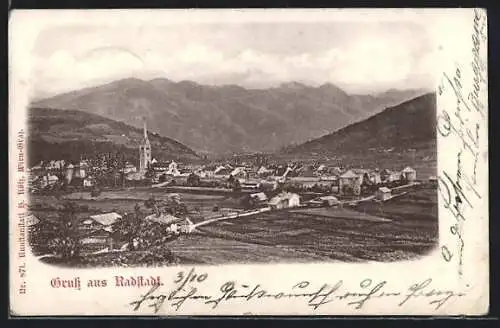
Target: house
{"points": [[129, 167], [433, 181], [383, 193], [259, 197], [186, 226], [31, 220], [100, 221], [350, 183], [38, 167], [322, 168], [173, 169], [135, 176], [97, 240], [285, 200], [324, 201], [374, 177], [239, 172], [220, 168], [264, 172], [269, 185], [224, 173], [163, 218], [329, 200], [364, 175], [249, 185], [48, 180], [70, 170], [409, 174], [89, 181], [387, 176], [80, 170]]}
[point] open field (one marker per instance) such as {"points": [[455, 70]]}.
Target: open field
{"points": [[337, 234], [402, 228]]}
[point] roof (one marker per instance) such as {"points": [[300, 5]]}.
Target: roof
{"points": [[220, 168], [303, 178], [238, 170], [328, 198], [384, 189], [260, 195], [31, 220], [106, 218], [163, 218], [282, 196], [223, 171], [349, 174], [263, 169]]}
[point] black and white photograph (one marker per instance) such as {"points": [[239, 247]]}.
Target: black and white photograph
{"points": [[249, 162], [220, 143]]}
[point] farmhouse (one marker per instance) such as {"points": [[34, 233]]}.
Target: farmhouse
{"points": [[383, 193], [285, 200], [101, 221], [259, 197], [97, 240]]}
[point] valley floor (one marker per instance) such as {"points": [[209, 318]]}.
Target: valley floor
{"points": [[402, 228]]}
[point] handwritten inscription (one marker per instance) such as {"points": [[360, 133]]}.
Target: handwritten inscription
{"points": [[188, 289], [458, 184]]}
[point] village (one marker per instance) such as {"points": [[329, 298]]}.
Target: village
{"points": [[255, 186]]}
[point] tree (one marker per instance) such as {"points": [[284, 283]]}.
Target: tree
{"points": [[248, 202], [149, 173], [234, 183], [61, 237], [357, 189], [162, 178], [152, 203], [193, 180]]}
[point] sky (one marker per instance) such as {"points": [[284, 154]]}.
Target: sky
{"points": [[360, 57]]}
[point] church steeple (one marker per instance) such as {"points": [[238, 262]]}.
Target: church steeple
{"points": [[145, 128], [144, 150]]}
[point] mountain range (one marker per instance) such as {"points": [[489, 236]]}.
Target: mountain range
{"points": [[225, 119], [405, 132], [69, 134]]}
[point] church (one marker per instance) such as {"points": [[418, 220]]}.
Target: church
{"points": [[144, 151]]}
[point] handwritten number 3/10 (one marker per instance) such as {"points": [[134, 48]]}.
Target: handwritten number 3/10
{"points": [[190, 277], [446, 253]]}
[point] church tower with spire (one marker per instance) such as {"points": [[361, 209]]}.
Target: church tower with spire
{"points": [[144, 151]]}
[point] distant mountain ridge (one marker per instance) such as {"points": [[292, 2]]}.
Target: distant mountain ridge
{"points": [[402, 131], [69, 134], [229, 118]]}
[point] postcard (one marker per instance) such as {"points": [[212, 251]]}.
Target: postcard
{"points": [[248, 162]]}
